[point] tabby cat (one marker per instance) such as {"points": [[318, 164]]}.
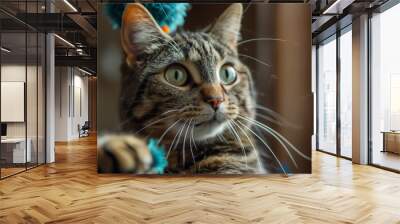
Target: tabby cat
{"points": [[190, 91]]}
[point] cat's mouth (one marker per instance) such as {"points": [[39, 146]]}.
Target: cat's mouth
{"points": [[210, 128], [212, 120]]}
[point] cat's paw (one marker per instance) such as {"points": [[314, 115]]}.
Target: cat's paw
{"points": [[123, 154]]}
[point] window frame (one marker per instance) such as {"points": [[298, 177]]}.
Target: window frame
{"points": [[334, 37]]}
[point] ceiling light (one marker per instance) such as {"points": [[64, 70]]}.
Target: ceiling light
{"points": [[337, 7], [65, 41], [5, 50], [70, 5], [84, 71]]}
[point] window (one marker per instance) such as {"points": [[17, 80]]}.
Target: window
{"points": [[385, 89], [346, 93], [326, 139], [334, 65]]}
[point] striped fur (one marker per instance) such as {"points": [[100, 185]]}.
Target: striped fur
{"points": [[195, 143]]}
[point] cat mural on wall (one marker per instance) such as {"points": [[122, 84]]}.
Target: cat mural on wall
{"points": [[191, 93]]}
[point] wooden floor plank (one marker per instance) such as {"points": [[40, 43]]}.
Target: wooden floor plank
{"points": [[71, 191]]}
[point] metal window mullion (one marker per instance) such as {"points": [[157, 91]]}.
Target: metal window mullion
{"points": [[338, 95], [317, 96], [369, 91], [26, 88], [37, 90]]}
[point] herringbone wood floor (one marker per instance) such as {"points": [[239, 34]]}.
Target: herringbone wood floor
{"points": [[70, 191]]}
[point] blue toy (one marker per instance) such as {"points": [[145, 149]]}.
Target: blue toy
{"points": [[168, 15], [158, 154]]}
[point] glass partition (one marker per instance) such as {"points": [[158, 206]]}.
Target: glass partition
{"points": [[22, 88], [14, 145]]}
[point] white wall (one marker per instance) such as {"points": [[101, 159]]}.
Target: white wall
{"points": [[16, 73], [71, 102], [62, 82]]}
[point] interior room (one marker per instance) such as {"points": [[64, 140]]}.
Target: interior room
{"points": [[60, 92], [22, 100]]}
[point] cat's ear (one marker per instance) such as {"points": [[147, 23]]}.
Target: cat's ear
{"points": [[227, 26], [140, 33]]}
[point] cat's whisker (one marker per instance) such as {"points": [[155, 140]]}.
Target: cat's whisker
{"points": [[276, 121], [162, 8], [270, 119], [175, 138], [219, 138], [184, 143], [274, 114], [260, 39], [247, 7], [194, 141], [170, 111], [255, 59], [223, 138], [239, 140], [166, 131], [282, 140], [260, 125], [166, 15], [190, 145], [270, 111], [195, 146], [266, 145], [180, 134], [260, 167], [172, 43], [154, 122], [283, 145]]}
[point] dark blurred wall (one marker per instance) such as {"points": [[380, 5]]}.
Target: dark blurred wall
{"points": [[294, 99]]}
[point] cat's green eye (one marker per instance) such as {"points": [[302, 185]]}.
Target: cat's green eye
{"points": [[227, 74], [176, 75]]}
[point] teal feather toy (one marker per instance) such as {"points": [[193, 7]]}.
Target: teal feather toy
{"points": [[159, 160], [169, 16]]}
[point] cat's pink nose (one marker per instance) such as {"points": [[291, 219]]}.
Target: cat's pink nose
{"points": [[213, 94], [215, 102]]}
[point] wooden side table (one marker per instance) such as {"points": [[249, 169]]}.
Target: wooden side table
{"points": [[391, 141]]}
